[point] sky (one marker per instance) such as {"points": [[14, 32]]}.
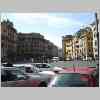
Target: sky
{"points": [[51, 25]]}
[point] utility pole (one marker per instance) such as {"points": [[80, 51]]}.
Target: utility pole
{"points": [[97, 22]]}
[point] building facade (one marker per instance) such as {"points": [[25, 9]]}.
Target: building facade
{"points": [[79, 46], [67, 45], [34, 47], [95, 40], [94, 27], [8, 41], [86, 44], [76, 48]]}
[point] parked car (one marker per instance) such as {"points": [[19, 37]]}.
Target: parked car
{"points": [[55, 59], [95, 75], [86, 73], [47, 73], [67, 80], [7, 64], [43, 66], [12, 77], [57, 69], [27, 68]]}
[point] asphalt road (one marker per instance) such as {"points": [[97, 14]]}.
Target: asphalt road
{"points": [[75, 63]]}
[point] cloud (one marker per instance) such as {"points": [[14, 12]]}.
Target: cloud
{"points": [[62, 22], [44, 19], [53, 25]]}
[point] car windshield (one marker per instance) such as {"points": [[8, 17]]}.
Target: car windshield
{"points": [[42, 66], [28, 70], [69, 79]]}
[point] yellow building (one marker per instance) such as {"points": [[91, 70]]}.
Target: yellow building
{"points": [[86, 44], [93, 27], [75, 47], [67, 46], [79, 46]]}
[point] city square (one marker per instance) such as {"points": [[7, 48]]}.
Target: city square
{"points": [[47, 49]]}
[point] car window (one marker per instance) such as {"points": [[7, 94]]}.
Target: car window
{"points": [[45, 66], [38, 65], [65, 80], [42, 66], [28, 70], [19, 74]]}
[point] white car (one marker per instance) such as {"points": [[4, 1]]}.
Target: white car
{"points": [[27, 68], [43, 66], [47, 73]]}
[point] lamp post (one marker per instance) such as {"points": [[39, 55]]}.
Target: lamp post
{"points": [[97, 22]]}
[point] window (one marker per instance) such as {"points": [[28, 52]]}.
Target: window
{"points": [[94, 28], [28, 70], [95, 50], [95, 43], [77, 46], [65, 80], [94, 35], [89, 50], [76, 41], [4, 30]]}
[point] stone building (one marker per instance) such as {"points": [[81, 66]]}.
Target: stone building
{"points": [[33, 46], [8, 41]]}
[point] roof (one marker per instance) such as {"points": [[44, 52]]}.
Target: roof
{"points": [[81, 70], [9, 68], [25, 65]]}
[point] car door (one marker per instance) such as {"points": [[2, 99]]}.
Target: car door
{"points": [[8, 80], [21, 81], [34, 80]]}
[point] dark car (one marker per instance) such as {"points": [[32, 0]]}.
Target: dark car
{"points": [[95, 75], [68, 80], [12, 77], [85, 72]]}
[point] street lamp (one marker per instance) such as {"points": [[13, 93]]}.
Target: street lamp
{"points": [[97, 22]]}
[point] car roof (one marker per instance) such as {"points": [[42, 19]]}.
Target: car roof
{"points": [[41, 63], [25, 65], [9, 68], [81, 70]]}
